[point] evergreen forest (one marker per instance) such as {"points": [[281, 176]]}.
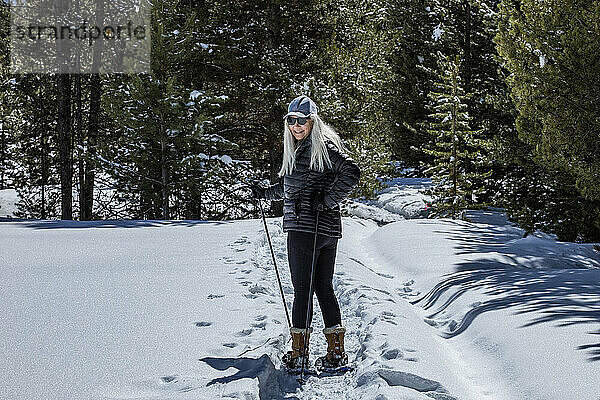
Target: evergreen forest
{"points": [[497, 101]]}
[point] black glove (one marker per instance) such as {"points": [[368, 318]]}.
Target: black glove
{"points": [[317, 202], [258, 192]]}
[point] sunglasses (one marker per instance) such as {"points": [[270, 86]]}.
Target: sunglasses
{"points": [[300, 120]]}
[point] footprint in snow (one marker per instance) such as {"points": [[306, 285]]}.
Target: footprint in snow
{"points": [[259, 289], [245, 332], [242, 240], [392, 354], [390, 319], [260, 325]]}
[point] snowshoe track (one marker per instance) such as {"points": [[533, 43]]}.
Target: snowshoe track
{"points": [[363, 306]]}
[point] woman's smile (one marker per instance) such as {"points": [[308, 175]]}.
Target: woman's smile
{"points": [[301, 131]]}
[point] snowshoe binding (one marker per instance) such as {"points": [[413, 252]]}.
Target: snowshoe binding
{"points": [[293, 365], [336, 359], [293, 360]]}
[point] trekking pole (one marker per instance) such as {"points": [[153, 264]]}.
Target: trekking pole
{"points": [[287, 315], [310, 293]]}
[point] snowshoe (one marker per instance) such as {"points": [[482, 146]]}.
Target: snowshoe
{"points": [[323, 364], [336, 359], [293, 359], [293, 365]]}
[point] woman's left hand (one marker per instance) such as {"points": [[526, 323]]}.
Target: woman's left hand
{"points": [[317, 202]]}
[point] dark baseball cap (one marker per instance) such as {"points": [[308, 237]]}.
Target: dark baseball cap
{"points": [[301, 106]]}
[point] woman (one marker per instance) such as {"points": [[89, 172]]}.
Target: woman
{"points": [[316, 175]]}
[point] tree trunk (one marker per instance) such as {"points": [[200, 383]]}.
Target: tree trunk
{"points": [[454, 141], [65, 145], [78, 133], [274, 162], [2, 155], [43, 174], [467, 48], [164, 170], [93, 132], [274, 30]]}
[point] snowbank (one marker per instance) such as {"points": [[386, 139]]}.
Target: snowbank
{"points": [[403, 198]]}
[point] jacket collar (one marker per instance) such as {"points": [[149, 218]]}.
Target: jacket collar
{"points": [[304, 144]]}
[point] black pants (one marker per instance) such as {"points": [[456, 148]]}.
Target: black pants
{"points": [[300, 250]]}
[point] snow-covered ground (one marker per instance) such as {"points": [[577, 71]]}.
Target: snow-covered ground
{"points": [[436, 309]]}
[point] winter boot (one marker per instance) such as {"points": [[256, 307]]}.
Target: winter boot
{"points": [[336, 357], [293, 359]]}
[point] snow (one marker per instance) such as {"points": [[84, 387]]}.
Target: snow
{"points": [[541, 56], [8, 201], [437, 32], [403, 198], [442, 309], [194, 94]]}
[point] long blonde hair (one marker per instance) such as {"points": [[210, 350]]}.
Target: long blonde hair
{"points": [[319, 156]]}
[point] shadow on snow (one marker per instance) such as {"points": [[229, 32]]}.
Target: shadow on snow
{"points": [[66, 224], [272, 383], [553, 285]]}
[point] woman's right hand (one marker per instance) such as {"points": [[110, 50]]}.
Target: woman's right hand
{"points": [[258, 192]]}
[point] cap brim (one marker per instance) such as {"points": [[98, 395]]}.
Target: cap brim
{"points": [[295, 114]]}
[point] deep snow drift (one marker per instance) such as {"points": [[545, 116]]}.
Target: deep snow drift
{"points": [[191, 310]]}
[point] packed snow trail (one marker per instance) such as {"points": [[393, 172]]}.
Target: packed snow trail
{"points": [[191, 310]]}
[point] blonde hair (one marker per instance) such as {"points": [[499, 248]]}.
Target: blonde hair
{"points": [[319, 156]]}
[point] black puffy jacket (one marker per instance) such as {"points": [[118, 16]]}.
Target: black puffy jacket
{"points": [[297, 189]]}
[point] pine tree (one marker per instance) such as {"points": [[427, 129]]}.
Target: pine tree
{"points": [[411, 26], [551, 55], [6, 98], [352, 86], [455, 145], [422, 29], [165, 155], [35, 153]]}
